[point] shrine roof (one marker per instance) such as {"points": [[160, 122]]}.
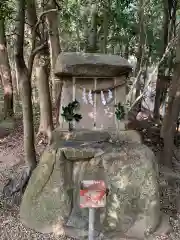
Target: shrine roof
{"points": [[91, 65]]}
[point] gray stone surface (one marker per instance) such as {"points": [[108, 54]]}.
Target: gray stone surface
{"points": [[51, 200], [91, 64]]}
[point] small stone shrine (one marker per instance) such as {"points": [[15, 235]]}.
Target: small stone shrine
{"points": [[94, 150], [97, 82]]}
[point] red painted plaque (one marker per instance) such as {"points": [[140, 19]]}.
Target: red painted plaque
{"points": [[92, 194]]}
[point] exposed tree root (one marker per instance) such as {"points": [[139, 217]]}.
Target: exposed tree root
{"points": [[18, 184]]}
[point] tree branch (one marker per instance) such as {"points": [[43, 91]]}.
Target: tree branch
{"points": [[168, 48], [33, 54], [20, 36], [57, 5], [42, 15], [34, 50], [39, 48]]}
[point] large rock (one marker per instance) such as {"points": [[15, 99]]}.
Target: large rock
{"points": [[51, 200], [91, 64]]}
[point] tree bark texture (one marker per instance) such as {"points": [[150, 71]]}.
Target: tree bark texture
{"points": [[140, 52], [42, 76], [93, 31], [161, 70], [86, 30], [172, 111], [5, 72], [25, 91], [105, 29], [55, 49]]}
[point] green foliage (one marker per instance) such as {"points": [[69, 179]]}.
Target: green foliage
{"points": [[122, 24], [122, 21], [120, 112], [6, 9], [68, 112]]}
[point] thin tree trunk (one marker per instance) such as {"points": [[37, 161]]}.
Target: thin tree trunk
{"points": [[16, 96], [5, 72], [55, 49], [54, 46], [25, 91], [93, 32], [172, 24], [86, 34], [140, 52], [105, 29], [42, 75], [172, 113], [78, 48], [172, 34], [18, 184], [157, 102], [126, 52], [161, 70]]}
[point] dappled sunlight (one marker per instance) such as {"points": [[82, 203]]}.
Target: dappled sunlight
{"points": [[177, 93], [123, 182], [56, 190], [5, 74], [67, 136], [91, 115], [58, 228], [112, 213], [115, 202], [2, 47], [109, 113]]}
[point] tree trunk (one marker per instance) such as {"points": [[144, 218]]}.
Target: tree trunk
{"points": [[5, 73], [172, 113], [140, 52], [93, 32], [78, 46], [55, 49], [42, 76], [31, 14], [16, 96], [105, 29], [85, 29], [157, 103], [172, 24], [126, 52], [25, 91], [172, 34], [161, 70]]}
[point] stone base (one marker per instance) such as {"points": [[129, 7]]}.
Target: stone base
{"points": [[128, 169], [134, 233]]}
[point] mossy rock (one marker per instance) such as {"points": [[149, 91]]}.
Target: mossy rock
{"points": [[46, 202], [129, 169]]}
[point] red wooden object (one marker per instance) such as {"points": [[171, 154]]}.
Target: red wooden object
{"points": [[92, 194]]}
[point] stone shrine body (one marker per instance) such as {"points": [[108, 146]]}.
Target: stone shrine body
{"points": [[129, 169], [97, 82]]}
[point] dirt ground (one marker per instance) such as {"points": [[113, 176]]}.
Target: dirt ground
{"points": [[11, 165]]}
